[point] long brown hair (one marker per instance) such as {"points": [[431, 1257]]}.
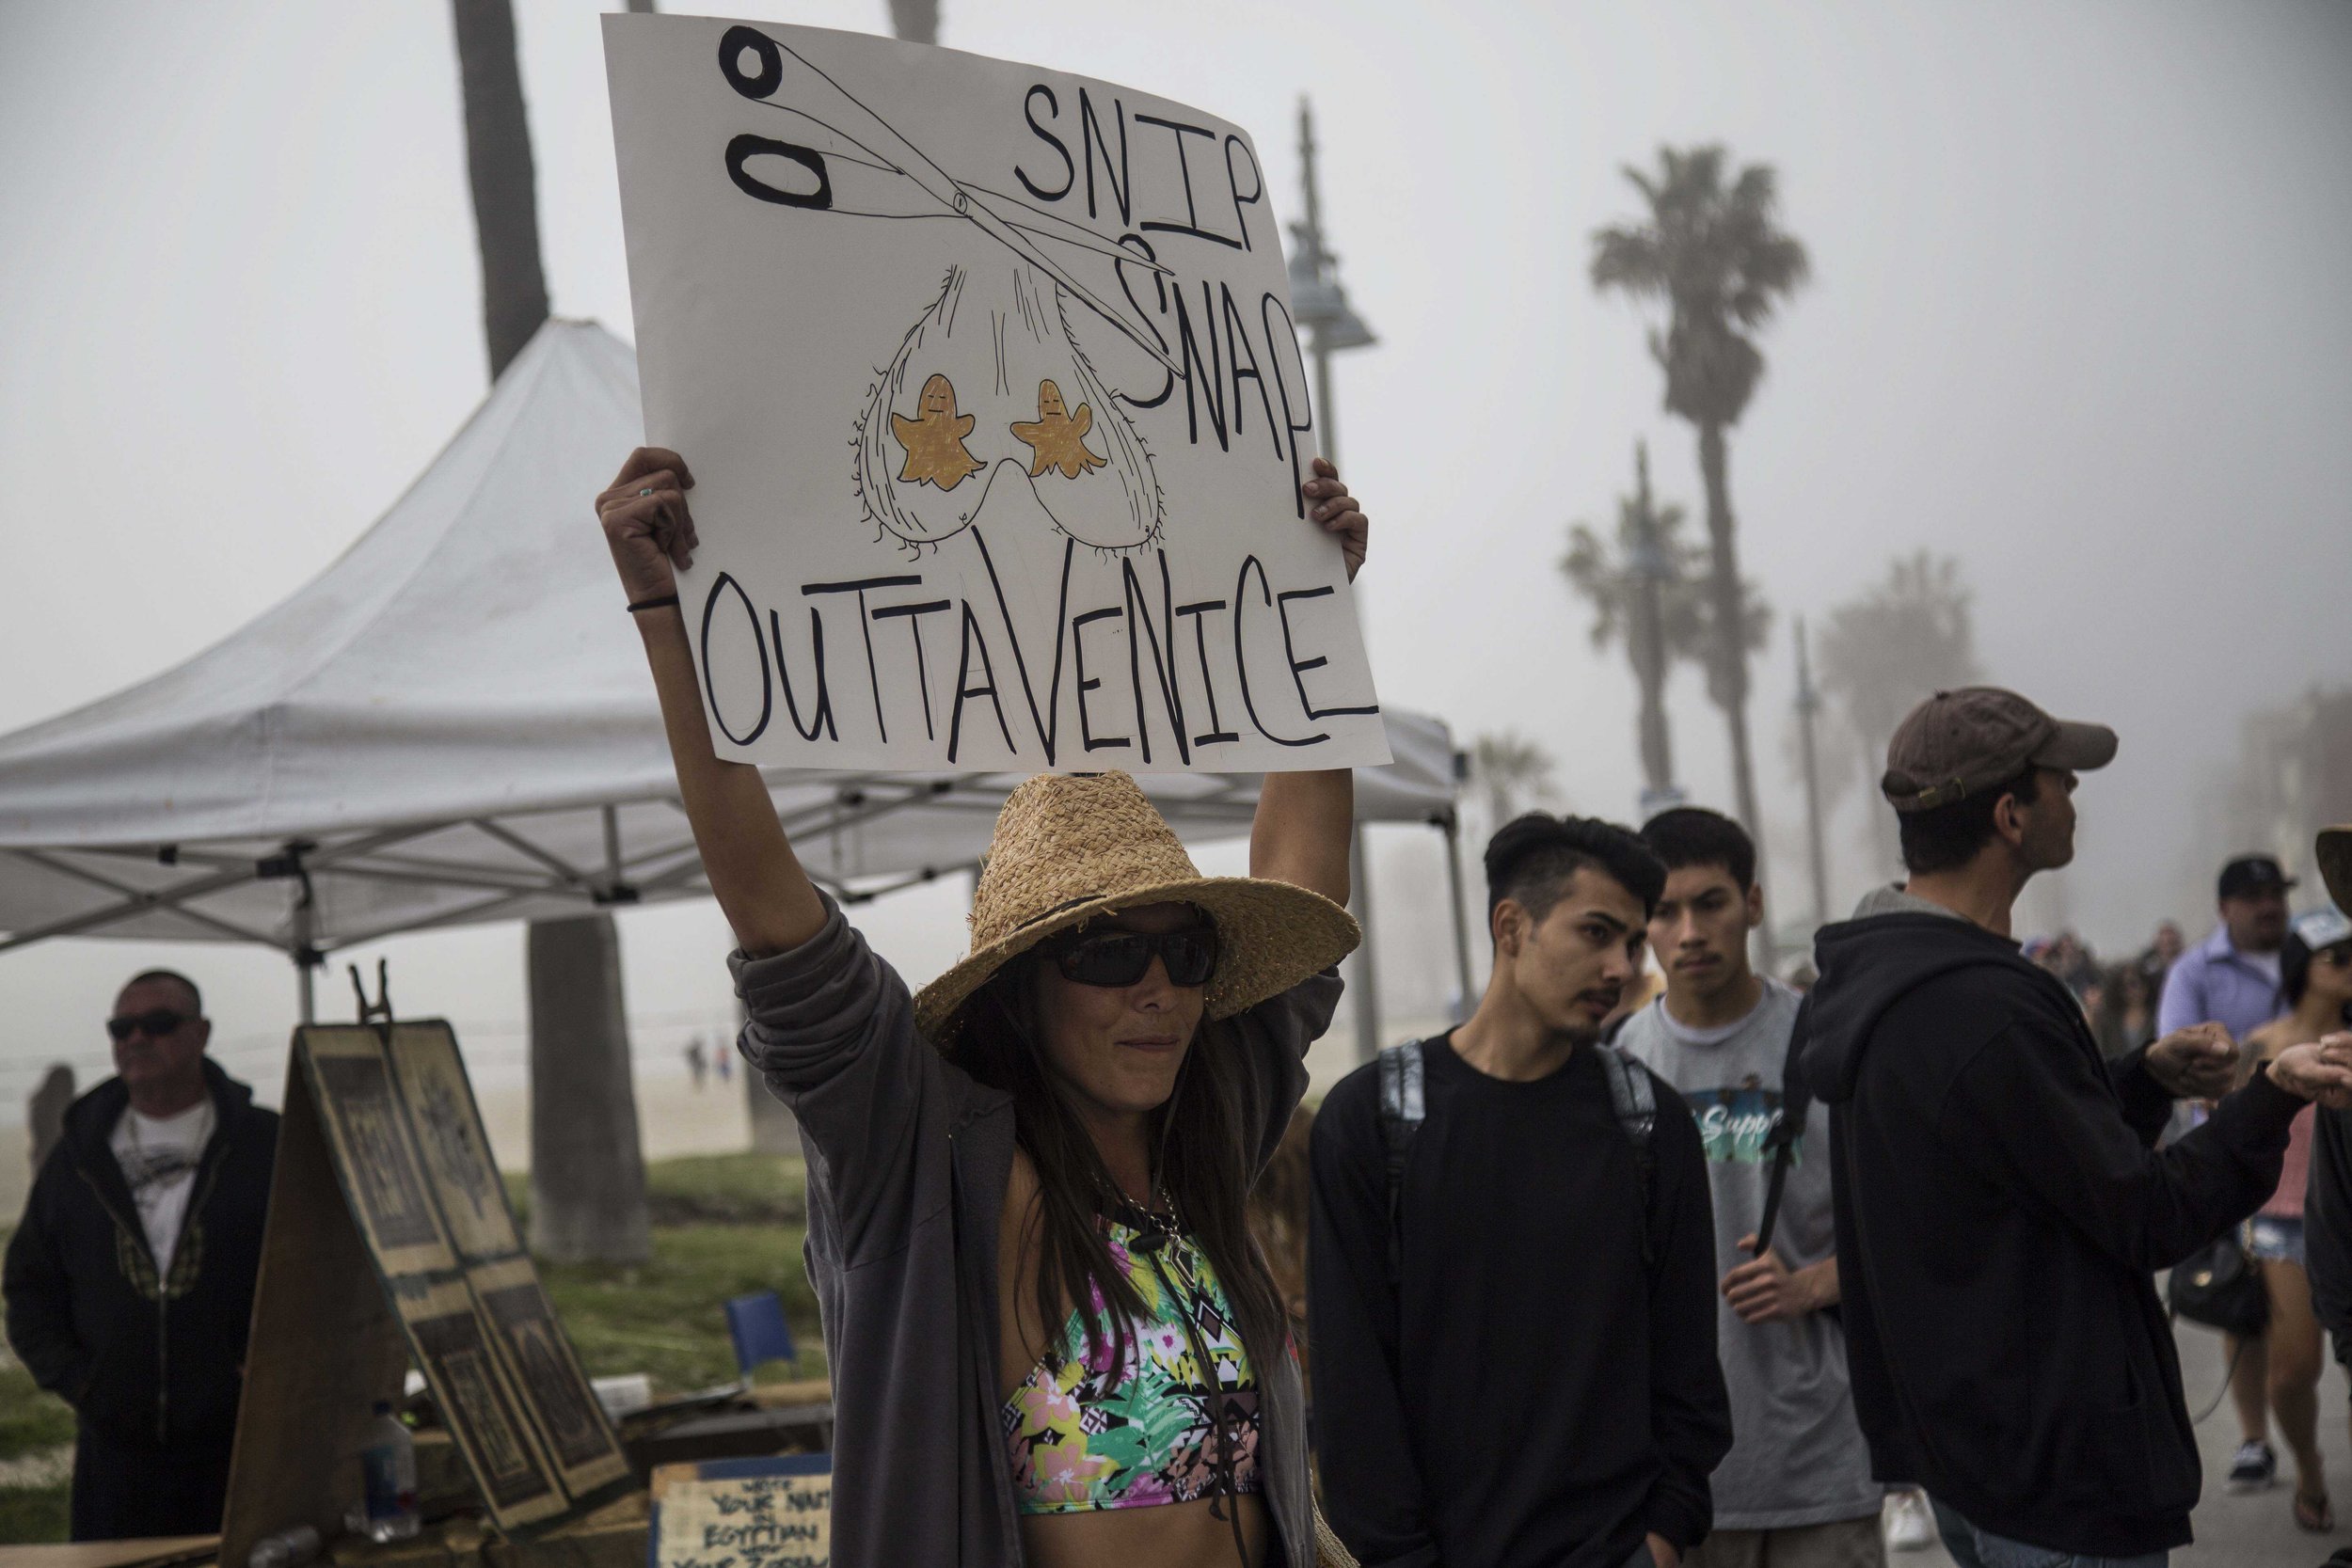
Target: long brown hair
{"points": [[1206, 1149]]}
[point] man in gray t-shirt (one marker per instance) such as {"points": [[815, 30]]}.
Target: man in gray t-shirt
{"points": [[1795, 1491]]}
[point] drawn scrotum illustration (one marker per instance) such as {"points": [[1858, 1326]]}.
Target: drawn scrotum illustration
{"points": [[1002, 359], [987, 376]]}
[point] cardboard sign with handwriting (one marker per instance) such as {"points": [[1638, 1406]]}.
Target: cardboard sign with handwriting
{"points": [[743, 1513], [989, 383]]}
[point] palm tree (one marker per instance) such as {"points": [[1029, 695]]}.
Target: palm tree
{"points": [[1646, 590], [1715, 254], [1507, 767], [1894, 645]]}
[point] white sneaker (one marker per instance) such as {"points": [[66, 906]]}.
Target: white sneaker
{"points": [[2254, 1468], [1910, 1527]]}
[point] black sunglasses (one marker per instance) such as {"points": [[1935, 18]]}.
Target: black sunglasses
{"points": [[1114, 959], [155, 1024]]}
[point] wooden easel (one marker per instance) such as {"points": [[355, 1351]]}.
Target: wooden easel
{"points": [[389, 1240]]}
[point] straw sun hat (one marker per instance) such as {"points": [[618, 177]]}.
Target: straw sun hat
{"points": [[1068, 849]]}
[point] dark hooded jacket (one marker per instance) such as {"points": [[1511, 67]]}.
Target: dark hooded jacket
{"points": [[2001, 1207], [147, 1362], [2328, 1227]]}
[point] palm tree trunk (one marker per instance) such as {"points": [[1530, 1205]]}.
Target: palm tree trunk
{"points": [[587, 1160], [1646, 649], [915, 21], [1730, 654], [1657, 771], [1648, 639], [506, 193], [587, 1167]]}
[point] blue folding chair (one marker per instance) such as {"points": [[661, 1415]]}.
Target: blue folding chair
{"points": [[755, 1323]]}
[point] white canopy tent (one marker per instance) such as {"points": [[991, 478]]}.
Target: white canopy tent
{"points": [[453, 723]]}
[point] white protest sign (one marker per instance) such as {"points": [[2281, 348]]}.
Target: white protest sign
{"points": [[988, 380]]}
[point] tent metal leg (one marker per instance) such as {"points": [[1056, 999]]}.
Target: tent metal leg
{"points": [[305, 954], [1449, 825], [304, 924]]}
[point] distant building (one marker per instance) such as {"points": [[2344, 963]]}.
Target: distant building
{"points": [[2291, 777]]}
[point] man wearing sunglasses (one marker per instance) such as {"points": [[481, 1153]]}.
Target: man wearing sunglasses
{"points": [[130, 1279]]}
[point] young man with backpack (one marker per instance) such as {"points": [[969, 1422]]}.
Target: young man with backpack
{"points": [[1512, 1257], [1795, 1491]]}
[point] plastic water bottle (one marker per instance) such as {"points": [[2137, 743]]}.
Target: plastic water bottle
{"points": [[387, 1470], [288, 1548]]}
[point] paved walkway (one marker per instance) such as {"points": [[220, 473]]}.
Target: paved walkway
{"points": [[2258, 1531]]}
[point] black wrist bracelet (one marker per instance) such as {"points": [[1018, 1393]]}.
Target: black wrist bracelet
{"points": [[653, 604]]}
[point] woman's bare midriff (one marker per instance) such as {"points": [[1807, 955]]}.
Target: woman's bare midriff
{"points": [[1170, 1535], [1166, 1535]]}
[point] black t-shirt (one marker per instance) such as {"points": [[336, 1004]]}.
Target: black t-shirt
{"points": [[1530, 1395]]}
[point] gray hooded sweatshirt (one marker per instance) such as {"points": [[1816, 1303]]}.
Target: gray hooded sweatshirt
{"points": [[908, 1160]]}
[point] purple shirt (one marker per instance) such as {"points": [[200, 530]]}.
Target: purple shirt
{"points": [[2214, 983]]}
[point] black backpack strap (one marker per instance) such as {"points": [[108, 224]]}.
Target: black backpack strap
{"points": [[1796, 1106], [1635, 1100], [1403, 1108]]}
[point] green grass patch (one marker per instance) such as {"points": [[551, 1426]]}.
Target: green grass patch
{"points": [[666, 1318], [708, 1189], [723, 1224], [31, 1420], [35, 1514], [728, 1189]]}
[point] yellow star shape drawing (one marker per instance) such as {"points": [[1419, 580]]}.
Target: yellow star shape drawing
{"points": [[934, 438], [1058, 437]]}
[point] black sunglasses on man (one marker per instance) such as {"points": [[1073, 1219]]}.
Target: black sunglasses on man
{"points": [[155, 1024]]}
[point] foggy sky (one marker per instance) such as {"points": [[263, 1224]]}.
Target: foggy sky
{"points": [[2081, 315]]}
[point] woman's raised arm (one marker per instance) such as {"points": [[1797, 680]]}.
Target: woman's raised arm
{"points": [[1305, 821], [768, 899]]}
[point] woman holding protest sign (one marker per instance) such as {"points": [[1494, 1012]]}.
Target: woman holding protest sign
{"points": [[1050, 1339]]}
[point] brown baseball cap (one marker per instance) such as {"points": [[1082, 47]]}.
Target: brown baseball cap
{"points": [[1974, 737], [2335, 864]]}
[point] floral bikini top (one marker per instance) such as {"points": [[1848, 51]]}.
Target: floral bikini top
{"points": [[1080, 1442]]}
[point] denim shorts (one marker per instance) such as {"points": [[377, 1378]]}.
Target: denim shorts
{"points": [[2276, 1237]]}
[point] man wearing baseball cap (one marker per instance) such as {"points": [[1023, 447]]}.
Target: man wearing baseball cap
{"points": [[2231, 979], [2000, 1203]]}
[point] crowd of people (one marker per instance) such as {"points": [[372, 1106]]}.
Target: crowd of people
{"points": [[1599, 1278]]}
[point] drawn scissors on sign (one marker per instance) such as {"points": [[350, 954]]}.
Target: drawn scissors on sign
{"points": [[857, 164]]}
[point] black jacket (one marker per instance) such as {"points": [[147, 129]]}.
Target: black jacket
{"points": [[1526, 1389], [2001, 1207], [145, 1361], [2328, 1227]]}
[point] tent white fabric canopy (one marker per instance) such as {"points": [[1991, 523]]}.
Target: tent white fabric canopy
{"points": [[453, 723]]}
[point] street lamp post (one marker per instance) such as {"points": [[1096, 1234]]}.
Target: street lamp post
{"points": [[1320, 308], [1809, 704]]}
